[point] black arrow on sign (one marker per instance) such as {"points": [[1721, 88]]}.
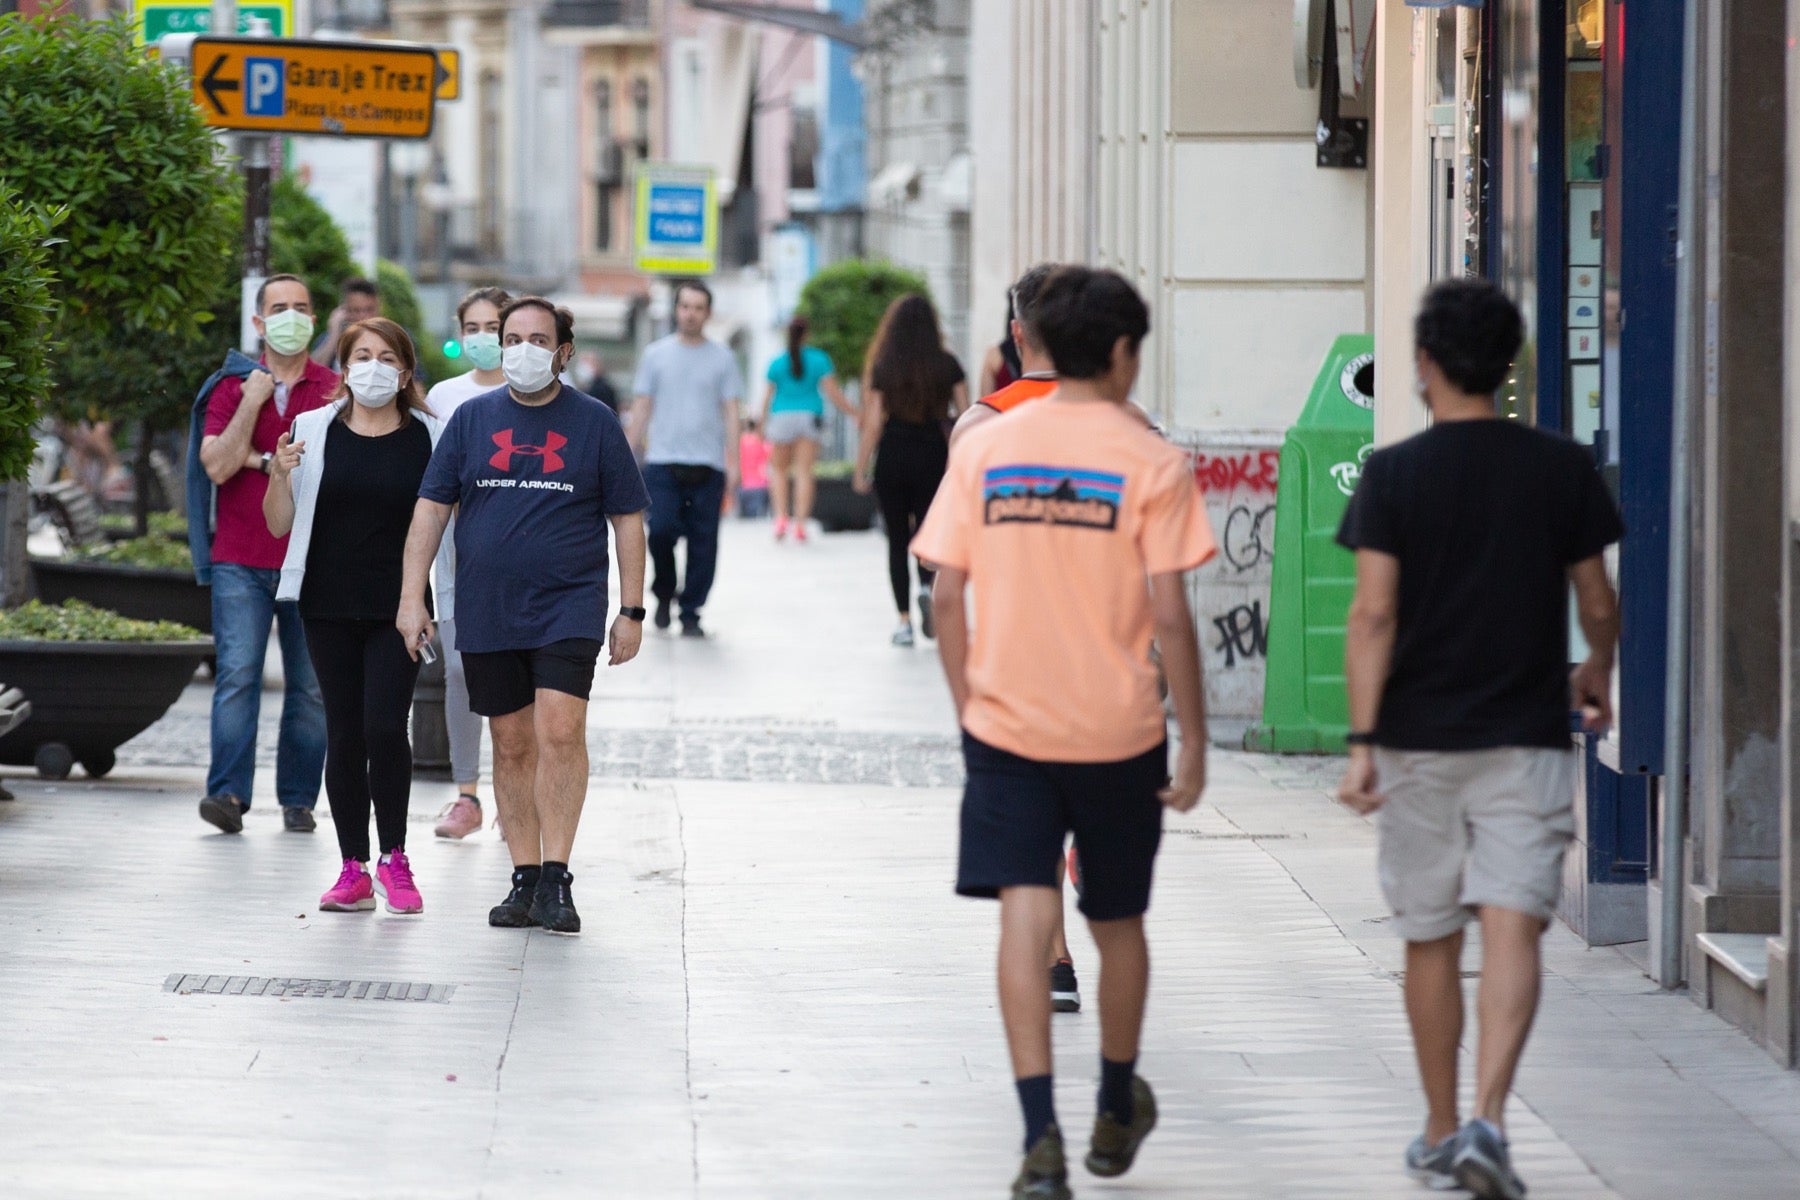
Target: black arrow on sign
{"points": [[212, 85]]}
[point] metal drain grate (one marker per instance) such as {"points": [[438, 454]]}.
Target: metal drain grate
{"points": [[311, 989]]}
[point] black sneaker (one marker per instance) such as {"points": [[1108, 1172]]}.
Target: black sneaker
{"points": [[298, 820], [227, 812], [1065, 995], [553, 907], [691, 629], [927, 622], [1045, 1174], [662, 614], [1483, 1162], [514, 912], [1115, 1145]]}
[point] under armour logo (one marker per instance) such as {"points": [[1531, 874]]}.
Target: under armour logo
{"points": [[502, 460]]}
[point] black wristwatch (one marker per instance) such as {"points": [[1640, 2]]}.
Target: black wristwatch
{"points": [[633, 614], [1359, 739], [267, 460]]}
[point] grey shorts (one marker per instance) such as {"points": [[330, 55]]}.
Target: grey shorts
{"points": [[786, 428], [1467, 828]]}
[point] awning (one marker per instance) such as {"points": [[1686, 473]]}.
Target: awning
{"points": [[801, 20], [603, 317], [894, 184]]}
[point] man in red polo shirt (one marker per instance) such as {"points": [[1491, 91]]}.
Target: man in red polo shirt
{"points": [[244, 419]]}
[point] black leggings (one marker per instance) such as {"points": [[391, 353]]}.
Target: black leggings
{"points": [[366, 678], [908, 468]]}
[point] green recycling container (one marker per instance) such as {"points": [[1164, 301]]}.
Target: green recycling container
{"points": [[1305, 709]]}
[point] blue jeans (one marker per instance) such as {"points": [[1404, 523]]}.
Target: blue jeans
{"points": [[685, 502], [243, 604]]}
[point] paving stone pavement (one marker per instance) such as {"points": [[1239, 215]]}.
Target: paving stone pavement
{"points": [[776, 993]]}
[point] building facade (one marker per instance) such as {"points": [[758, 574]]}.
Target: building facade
{"points": [[1170, 140], [916, 79]]}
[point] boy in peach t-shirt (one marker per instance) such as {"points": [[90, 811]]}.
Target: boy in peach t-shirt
{"points": [[1074, 525]]}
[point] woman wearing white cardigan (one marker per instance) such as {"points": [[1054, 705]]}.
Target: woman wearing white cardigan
{"points": [[344, 482]]}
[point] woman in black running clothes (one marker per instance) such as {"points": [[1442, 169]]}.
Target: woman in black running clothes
{"points": [[913, 389]]}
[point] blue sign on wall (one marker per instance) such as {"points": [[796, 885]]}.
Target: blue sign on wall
{"points": [[678, 213]]}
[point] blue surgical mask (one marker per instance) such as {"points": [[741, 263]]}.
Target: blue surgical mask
{"points": [[483, 350]]}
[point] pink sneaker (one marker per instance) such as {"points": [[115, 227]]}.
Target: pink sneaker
{"points": [[780, 528], [799, 531], [394, 879], [460, 818], [352, 892]]}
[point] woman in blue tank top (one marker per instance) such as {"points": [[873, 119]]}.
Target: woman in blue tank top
{"points": [[793, 417]]}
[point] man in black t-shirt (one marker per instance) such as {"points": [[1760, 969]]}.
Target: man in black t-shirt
{"points": [[1467, 538]]}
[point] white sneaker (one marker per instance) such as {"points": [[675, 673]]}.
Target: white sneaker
{"points": [[903, 636]]}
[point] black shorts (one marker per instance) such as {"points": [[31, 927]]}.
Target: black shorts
{"points": [[504, 681], [1017, 812]]}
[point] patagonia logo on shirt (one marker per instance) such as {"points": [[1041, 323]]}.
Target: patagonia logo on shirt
{"points": [[1042, 495]]}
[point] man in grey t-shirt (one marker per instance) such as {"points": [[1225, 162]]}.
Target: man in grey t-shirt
{"points": [[684, 426]]}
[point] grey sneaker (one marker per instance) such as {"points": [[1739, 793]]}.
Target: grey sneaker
{"points": [[1433, 1165], [1045, 1173], [903, 635], [927, 621], [225, 811], [1483, 1164], [1114, 1146]]}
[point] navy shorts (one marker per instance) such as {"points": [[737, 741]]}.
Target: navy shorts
{"points": [[504, 681], [1017, 813]]}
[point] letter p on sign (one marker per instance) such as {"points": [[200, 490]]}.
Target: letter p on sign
{"points": [[264, 93]]}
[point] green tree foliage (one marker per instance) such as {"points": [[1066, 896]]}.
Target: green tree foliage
{"points": [[305, 241], [90, 124], [400, 304], [844, 304], [25, 310]]}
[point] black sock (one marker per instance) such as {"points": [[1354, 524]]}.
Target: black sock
{"points": [[1115, 1089], [527, 877], [553, 873], [1037, 1097]]}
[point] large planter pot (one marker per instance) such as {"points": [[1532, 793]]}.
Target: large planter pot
{"points": [[90, 698], [838, 507], [143, 593]]}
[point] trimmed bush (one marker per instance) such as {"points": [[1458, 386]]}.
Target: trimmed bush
{"points": [[844, 304], [73, 621]]}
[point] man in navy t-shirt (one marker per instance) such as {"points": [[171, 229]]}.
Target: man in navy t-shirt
{"points": [[536, 471]]}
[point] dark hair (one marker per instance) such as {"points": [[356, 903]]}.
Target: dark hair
{"points": [[498, 297], [796, 342], [263, 288], [356, 283], [565, 320], [906, 361], [1471, 330], [1080, 314], [693, 285], [1021, 300], [412, 395]]}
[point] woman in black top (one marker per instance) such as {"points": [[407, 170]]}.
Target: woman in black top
{"points": [[344, 482], [913, 390]]}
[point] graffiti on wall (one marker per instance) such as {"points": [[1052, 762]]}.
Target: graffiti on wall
{"points": [[1243, 635], [1247, 540], [1246, 471]]}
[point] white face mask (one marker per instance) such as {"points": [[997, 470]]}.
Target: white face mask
{"points": [[373, 384], [529, 368]]}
